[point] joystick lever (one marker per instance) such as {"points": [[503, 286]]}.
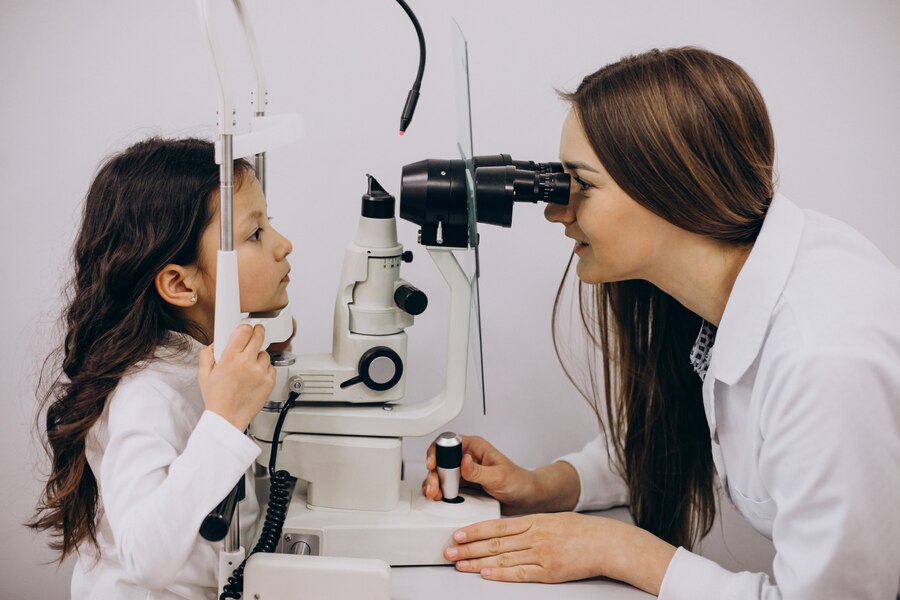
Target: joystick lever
{"points": [[448, 452]]}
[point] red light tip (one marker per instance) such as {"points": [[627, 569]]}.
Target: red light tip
{"points": [[402, 132]]}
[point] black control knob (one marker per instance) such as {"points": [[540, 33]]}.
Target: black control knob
{"points": [[411, 299], [407, 256], [380, 369], [448, 455]]}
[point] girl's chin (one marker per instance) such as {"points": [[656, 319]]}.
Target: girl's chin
{"points": [[269, 309]]}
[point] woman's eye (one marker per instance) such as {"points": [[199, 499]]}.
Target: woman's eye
{"points": [[582, 184]]}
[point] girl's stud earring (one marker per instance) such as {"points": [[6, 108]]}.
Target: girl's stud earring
{"points": [[194, 299]]}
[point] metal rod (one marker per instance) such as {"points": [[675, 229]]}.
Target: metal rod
{"points": [[259, 165], [233, 539], [226, 195]]}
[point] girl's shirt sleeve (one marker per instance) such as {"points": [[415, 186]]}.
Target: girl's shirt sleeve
{"points": [[161, 473]]}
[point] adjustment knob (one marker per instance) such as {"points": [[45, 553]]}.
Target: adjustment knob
{"points": [[448, 452], [411, 299], [380, 369], [407, 256]]}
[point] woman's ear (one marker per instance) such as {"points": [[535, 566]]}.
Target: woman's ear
{"points": [[173, 284]]}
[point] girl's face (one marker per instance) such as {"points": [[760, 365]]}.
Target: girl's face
{"points": [[261, 250], [615, 237]]}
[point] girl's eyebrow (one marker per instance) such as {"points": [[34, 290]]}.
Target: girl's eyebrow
{"points": [[579, 166], [254, 216]]}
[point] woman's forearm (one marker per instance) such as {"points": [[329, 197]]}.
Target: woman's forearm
{"points": [[640, 559], [557, 488]]}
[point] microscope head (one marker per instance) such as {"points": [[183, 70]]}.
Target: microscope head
{"points": [[433, 194]]}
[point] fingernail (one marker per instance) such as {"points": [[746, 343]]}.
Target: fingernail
{"points": [[459, 536], [487, 573], [462, 565], [452, 553]]}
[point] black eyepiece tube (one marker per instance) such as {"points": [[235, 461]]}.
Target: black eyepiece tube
{"points": [[433, 194], [496, 188]]}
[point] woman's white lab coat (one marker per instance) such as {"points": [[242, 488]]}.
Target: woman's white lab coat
{"points": [[802, 398]]}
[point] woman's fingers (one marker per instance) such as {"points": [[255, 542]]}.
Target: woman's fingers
{"points": [[519, 573], [492, 547], [494, 528], [432, 486], [506, 559]]}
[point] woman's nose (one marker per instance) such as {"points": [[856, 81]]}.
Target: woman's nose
{"points": [[559, 213]]}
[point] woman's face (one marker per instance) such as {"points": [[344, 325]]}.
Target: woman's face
{"points": [[615, 237]]}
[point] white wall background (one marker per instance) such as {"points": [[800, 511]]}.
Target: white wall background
{"points": [[84, 79]]}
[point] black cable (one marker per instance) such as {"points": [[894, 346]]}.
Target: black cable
{"points": [[280, 483], [410, 107]]}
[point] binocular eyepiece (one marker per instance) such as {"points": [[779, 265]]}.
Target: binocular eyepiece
{"points": [[433, 194]]}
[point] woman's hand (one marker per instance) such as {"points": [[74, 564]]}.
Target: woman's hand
{"points": [[551, 548], [238, 385], [550, 488]]}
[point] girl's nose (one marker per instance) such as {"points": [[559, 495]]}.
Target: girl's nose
{"points": [[284, 248]]}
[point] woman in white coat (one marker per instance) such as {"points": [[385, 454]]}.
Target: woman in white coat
{"points": [[743, 340]]}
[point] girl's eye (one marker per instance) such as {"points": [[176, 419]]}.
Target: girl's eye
{"points": [[255, 235]]}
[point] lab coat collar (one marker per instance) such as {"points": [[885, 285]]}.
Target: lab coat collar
{"points": [[756, 291]]}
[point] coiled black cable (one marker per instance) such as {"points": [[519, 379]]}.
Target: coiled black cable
{"points": [[280, 483]]}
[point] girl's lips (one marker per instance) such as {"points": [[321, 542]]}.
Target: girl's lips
{"points": [[286, 279], [580, 246]]}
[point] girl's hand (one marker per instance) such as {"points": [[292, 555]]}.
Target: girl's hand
{"points": [[551, 548], [551, 488], [238, 385]]}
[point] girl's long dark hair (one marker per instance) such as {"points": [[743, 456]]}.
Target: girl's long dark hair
{"points": [[147, 207], [685, 133]]}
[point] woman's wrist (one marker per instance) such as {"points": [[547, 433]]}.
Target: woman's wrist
{"points": [[556, 488], [638, 557]]}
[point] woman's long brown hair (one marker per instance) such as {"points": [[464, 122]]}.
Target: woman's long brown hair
{"points": [[685, 133], [147, 207]]}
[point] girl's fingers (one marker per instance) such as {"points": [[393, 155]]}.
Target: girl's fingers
{"points": [[257, 338], [206, 362], [239, 339]]}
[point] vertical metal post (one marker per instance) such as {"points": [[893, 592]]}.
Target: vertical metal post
{"points": [[226, 195]]}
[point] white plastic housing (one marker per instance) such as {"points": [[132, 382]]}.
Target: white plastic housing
{"points": [[290, 577], [419, 418], [228, 300], [351, 473], [415, 532]]}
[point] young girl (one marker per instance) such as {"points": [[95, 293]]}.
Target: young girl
{"points": [[742, 339], [144, 427]]}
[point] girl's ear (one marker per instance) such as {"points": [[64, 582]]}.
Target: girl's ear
{"points": [[173, 284]]}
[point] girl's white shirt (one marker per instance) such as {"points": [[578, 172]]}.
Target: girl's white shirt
{"points": [[162, 463], [802, 398]]}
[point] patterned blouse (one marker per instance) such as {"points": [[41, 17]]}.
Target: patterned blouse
{"points": [[702, 350]]}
